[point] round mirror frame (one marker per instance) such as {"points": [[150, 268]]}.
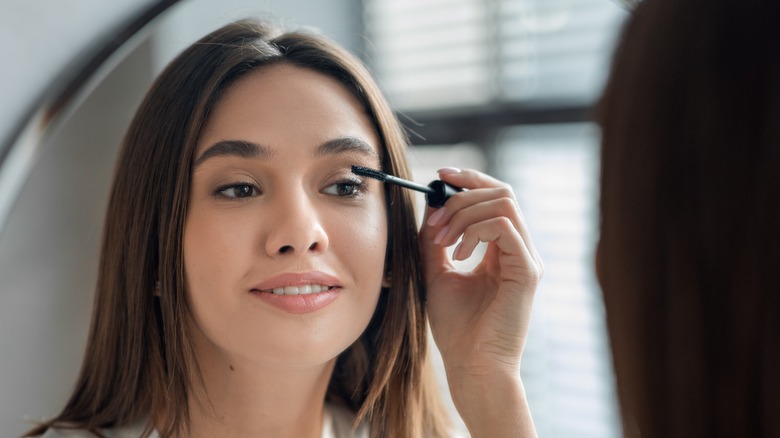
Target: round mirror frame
{"points": [[19, 155]]}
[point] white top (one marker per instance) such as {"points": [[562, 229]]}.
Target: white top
{"points": [[336, 423]]}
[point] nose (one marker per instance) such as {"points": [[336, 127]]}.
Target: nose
{"points": [[294, 227]]}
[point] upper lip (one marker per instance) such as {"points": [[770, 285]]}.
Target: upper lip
{"points": [[297, 279]]}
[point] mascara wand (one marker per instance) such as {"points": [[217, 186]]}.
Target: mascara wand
{"points": [[436, 193]]}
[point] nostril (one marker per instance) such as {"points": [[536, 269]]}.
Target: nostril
{"points": [[290, 248]]}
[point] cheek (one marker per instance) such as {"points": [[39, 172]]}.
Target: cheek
{"points": [[213, 248], [360, 244], [363, 240]]}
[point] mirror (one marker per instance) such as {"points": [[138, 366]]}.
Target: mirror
{"points": [[54, 182], [54, 187], [49, 239]]}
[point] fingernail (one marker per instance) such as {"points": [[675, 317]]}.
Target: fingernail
{"points": [[448, 170], [441, 234], [436, 217], [456, 253]]}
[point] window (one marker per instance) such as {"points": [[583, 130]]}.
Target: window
{"points": [[566, 367], [505, 86], [435, 54]]}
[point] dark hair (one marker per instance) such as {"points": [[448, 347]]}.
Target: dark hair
{"points": [[690, 207], [139, 360]]}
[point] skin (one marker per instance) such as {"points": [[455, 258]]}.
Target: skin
{"points": [[294, 209], [480, 318], [257, 360]]}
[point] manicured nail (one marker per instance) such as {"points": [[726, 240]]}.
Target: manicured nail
{"points": [[448, 170], [456, 254], [436, 217], [441, 234]]}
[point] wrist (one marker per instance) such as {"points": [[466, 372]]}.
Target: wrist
{"points": [[492, 404]]}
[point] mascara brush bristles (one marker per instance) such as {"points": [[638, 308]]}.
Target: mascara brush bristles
{"points": [[381, 176], [371, 173]]}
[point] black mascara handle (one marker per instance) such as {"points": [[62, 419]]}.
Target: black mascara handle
{"points": [[441, 193]]}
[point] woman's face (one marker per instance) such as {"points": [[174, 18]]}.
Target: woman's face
{"points": [[275, 211]]}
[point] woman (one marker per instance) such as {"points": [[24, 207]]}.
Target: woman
{"points": [[690, 249], [251, 285]]}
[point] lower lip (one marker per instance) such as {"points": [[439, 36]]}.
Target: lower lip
{"points": [[299, 303]]}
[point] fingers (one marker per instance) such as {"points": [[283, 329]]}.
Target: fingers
{"points": [[469, 179], [452, 221], [498, 230], [485, 212]]}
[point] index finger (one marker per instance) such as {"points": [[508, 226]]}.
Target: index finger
{"points": [[473, 179]]}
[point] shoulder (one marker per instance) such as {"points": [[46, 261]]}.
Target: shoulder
{"points": [[338, 423], [66, 433], [130, 431]]}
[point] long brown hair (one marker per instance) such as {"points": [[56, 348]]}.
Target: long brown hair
{"points": [[139, 361], [690, 212]]}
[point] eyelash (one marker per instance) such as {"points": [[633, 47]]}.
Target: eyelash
{"points": [[220, 191], [359, 186]]}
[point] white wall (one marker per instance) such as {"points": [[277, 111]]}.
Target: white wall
{"points": [[48, 251], [39, 38]]}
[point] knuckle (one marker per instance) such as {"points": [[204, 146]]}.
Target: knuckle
{"points": [[506, 204], [534, 274], [505, 191], [538, 271], [505, 223]]}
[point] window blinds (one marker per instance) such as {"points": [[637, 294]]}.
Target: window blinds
{"points": [[567, 369], [431, 54], [436, 56]]}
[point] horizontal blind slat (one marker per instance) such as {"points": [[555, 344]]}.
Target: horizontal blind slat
{"points": [[530, 50]]}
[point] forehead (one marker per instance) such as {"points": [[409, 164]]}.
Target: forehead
{"points": [[284, 106]]}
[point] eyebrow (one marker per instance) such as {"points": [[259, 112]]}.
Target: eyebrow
{"points": [[342, 145], [235, 148], [248, 149]]}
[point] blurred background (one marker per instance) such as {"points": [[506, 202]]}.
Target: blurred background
{"points": [[505, 86]]}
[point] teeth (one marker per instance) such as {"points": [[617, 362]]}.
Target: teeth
{"points": [[300, 290]]}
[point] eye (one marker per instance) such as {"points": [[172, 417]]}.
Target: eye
{"points": [[237, 191], [345, 189]]}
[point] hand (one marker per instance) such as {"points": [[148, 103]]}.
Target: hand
{"points": [[479, 319]]}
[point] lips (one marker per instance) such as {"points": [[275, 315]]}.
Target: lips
{"points": [[298, 284], [299, 293], [300, 290]]}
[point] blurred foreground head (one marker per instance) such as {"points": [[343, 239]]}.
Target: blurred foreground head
{"points": [[690, 206]]}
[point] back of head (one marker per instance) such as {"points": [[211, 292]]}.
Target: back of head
{"points": [[690, 204]]}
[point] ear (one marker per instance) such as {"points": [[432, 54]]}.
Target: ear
{"points": [[157, 288]]}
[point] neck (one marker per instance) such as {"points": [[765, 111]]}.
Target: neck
{"points": [[242, 399]]}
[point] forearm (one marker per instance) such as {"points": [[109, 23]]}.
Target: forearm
{"points": [[493, 406]]}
